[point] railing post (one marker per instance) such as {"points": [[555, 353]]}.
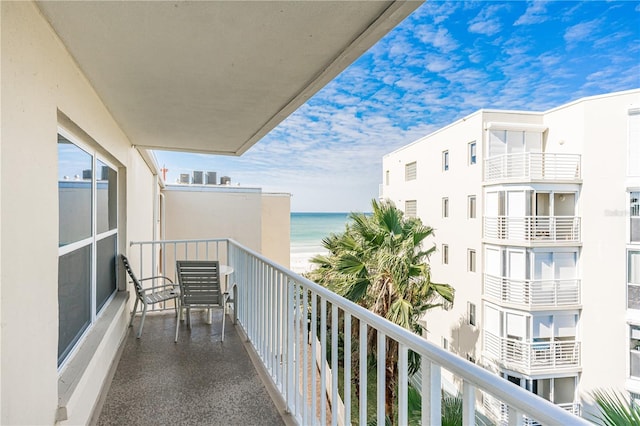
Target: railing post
{"points": [[515, 417], [363, 372], [468, 404], [289, 357], [403, 399], [431, 393], [381, 370]]}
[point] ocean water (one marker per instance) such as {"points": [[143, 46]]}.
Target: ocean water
{"points": [[307, 232]]}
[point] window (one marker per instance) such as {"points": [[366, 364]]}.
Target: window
{"points": [[410, 171], [445, 254], [471, 260], [410, 208], [445, 160], [445, 207], [471, 313], [633, 168], [634, 213], [445, 343], [471, 207], [472, 153], [633, 279], [87, 200], [386, 177], [634, 348]]}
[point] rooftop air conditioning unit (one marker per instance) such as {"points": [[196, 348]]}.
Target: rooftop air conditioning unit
{"points": [[211, 178], [225, 180], [184, 178], [198, 177], [86, 174]]}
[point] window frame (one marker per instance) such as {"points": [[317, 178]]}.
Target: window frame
{"points": [[472, 260], [445, 254], [634, 215], [92, 241], [472, 150], [411, 171], [445, 160], [472, 207], [407, 204], [445, 207], [471, 314]]}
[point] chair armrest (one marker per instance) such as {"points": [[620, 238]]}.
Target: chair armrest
{"points": [[153, 289], [156, 277]]}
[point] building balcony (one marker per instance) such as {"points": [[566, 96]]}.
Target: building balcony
{"points": [[291, 327], [533, 230], [499, 413], [533, 294], [532, 167], [530, 357]]}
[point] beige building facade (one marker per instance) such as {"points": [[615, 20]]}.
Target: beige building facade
{"points": [[536, 218]]}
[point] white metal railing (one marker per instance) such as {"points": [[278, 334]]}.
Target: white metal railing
{"points": [[531, 356], [532, 293], [533, 228], [281, 312], [533, 166], [498, 411]]}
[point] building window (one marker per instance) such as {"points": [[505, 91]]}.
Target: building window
{"points": [[445, 207], [634, 213], [633, 279], [445, 343], [445, 254], [472, 153], [634, 142], [471, 260], [445, 160], [411, 171], [634, 348], [411, 208], [471, 313], [386, 177], [471, 207], [87, 229]]}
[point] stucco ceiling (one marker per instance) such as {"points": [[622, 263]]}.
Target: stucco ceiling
{"points": [[214, 76]]}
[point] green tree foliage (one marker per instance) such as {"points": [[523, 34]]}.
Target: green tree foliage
{"points": [[381, 263], [615, 409]]}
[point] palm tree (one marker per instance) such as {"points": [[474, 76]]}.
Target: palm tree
{"points": [[379, 262], [615, 409]]}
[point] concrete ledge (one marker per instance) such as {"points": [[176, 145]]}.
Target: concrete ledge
{"points": [[78, 367]]}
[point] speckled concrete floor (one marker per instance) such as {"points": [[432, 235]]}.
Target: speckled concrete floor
{"points": [[198, 381]]}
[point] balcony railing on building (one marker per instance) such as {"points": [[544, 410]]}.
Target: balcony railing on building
{"points": [[533, 166], [545, 229], [530, 356], [497, 411], [533, 294], [293, 325]]}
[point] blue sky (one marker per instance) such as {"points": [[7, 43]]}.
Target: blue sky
{"points": [[445, 61]]}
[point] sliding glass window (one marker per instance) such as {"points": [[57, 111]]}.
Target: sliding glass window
{"points": [[87, 202]]}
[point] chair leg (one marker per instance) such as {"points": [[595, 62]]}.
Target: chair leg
{"points": [[144, 313], [178, 324], [133, 313]]}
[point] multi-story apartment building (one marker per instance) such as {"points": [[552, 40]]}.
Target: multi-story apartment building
{"points": [[537, 226]]}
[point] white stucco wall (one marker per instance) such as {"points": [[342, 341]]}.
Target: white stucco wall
{"points": [[276, 227], [460, 233], [41, 87]]}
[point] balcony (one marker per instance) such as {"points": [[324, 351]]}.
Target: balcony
{"points": [[533, 230], [533, 294], [499, 413], [533, 167], [287, 320], [532, 356]]}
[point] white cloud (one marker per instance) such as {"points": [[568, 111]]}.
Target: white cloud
{"points": [[487, 22], [535, 13], [583, 31]]}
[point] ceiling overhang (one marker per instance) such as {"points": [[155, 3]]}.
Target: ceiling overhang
{"points": [[214, 77]]}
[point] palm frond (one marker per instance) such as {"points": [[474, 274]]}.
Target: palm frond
{"points": [[615, 409]]}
